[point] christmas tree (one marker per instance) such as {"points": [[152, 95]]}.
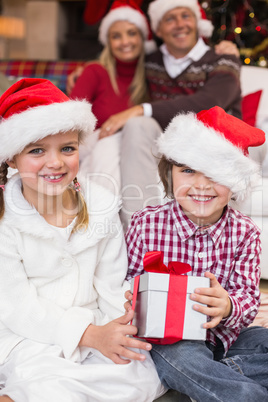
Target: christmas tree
{"points": [[244, 22]]}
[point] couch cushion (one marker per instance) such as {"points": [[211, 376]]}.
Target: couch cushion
{"points": [[249, 106]]}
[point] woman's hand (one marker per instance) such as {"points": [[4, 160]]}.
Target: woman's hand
{"points": [[217, 303], [113, 340], [227, 47], [117, 121]]}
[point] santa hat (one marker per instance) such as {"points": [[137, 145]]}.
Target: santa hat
{"points": [[127, 10], [158, 8], [32, 109], [216, 144]]}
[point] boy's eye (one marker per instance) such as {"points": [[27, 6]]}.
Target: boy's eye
{"points": [[188, 170], [36, 151]]}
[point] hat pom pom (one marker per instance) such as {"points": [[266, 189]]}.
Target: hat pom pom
{"points": [[205, 28], [150, 46]]}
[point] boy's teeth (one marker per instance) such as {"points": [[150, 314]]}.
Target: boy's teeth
{"points": [[202, 198]]}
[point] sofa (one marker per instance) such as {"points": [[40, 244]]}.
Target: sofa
{"points": [[254, 80], [55, 71], [254, 83]]}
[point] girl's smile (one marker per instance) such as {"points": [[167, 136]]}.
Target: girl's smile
{"points": [[47, 167]]}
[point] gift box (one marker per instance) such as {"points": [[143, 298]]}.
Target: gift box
{"points": [[161, 300]]}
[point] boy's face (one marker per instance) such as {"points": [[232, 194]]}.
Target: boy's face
{"points": [[201, 199]]}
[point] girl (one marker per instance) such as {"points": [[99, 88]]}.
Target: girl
{"points": [[63, 263]]}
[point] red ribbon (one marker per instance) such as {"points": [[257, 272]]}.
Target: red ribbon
{"points": [[153, 262]]}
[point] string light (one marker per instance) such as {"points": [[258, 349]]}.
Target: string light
{"points": [[244, 23], [238, 30]]}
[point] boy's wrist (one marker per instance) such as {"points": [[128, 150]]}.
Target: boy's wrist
{"points": [[229, 308]]}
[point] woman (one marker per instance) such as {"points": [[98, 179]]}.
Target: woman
{"points": [[113, 84]]}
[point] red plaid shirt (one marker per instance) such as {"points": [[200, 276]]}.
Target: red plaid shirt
{"points": [[230, 249]]}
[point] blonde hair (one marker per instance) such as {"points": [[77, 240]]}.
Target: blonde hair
{"points": [[82, 218], [3, 181], [138, 88]]}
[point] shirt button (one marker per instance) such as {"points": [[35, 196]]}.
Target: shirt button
{"points": [[200, 255]]}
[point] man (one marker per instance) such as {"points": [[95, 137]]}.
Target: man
{"points": [[183, 75]]}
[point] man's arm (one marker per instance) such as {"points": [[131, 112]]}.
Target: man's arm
{"points": [[222, 88]]}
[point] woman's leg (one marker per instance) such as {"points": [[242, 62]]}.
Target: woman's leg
{"points": [[5, 399]]}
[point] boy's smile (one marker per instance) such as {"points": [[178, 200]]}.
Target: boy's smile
{"points": [[201, 199]]}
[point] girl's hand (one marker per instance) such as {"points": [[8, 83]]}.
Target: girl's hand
{"points": [[113, 340], [117, 121], [216, 298], [129, 297]]}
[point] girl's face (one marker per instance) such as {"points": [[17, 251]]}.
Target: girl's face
{"points": [[48, 166], [125, 41], [201, 199]]}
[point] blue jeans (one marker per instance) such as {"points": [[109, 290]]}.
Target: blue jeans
{"points": [[198, 370]]}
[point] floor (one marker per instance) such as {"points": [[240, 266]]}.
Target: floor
{"points": [[264, 285]]}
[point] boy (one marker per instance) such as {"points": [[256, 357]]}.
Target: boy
{"points": [[204, 165]]}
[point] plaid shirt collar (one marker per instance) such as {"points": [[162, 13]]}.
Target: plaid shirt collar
{"points": [[186, 228]]}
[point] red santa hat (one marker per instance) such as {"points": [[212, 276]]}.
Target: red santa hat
{"points": [[216, 144], [158, 8], [32, 109], [127, 10]]}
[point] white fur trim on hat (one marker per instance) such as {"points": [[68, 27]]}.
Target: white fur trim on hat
{"points": [[123, 13], [158, 8], [35, 123], [188, 141]]}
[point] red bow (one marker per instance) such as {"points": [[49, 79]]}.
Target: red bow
{"points": [[153, 262]]}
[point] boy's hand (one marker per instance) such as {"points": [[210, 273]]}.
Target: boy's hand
{"points": [[216, 298], [113, 340]]}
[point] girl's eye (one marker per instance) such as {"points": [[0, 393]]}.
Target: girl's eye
{"points": [[36, 151], [68, 149]]}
